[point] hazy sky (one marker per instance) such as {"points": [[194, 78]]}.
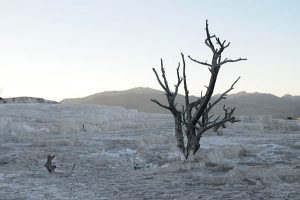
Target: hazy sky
{"points": [[72, 48]]}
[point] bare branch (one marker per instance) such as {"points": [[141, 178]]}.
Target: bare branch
{"points": [[178, 83], [222, 45], [222, 96], [215, 120], [161, 105], [164, 75], [226, 45], [199, 62], [183, 115], [227, 118], [184, 82], [170, 95], [210, 117], [223, 121], [230, 61], [158, 79], [207, 122], [208, 41], [228, 114], [195, 103]]}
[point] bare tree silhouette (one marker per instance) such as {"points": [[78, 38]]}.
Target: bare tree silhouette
{"points": [[193, 119]]}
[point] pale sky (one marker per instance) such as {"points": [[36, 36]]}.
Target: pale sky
{"points": [[58, 49]]}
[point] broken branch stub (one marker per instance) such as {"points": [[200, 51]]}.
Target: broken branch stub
{"points": [[49, 165]]}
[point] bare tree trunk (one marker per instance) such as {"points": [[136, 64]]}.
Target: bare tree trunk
{"points": [[191, 135], [179, 133]]}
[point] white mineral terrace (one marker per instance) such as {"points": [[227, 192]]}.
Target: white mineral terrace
{"points": [[124, 154]]}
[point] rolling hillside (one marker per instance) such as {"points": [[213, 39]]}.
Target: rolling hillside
{"points": [[246, 103]]}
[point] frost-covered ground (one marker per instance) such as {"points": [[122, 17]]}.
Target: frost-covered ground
{"points": [[121, 154]]}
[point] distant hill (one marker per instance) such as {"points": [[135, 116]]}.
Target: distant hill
{"points": [[264, 104], [246, 103], [136, 98], [25, 100]]}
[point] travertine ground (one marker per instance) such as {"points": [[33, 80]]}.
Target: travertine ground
{"points": [[122, 154]]}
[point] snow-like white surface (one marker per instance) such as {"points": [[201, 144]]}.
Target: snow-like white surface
{"points": [[124, 154]]}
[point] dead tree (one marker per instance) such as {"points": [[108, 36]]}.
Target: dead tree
{"points": [[193, 119]]}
